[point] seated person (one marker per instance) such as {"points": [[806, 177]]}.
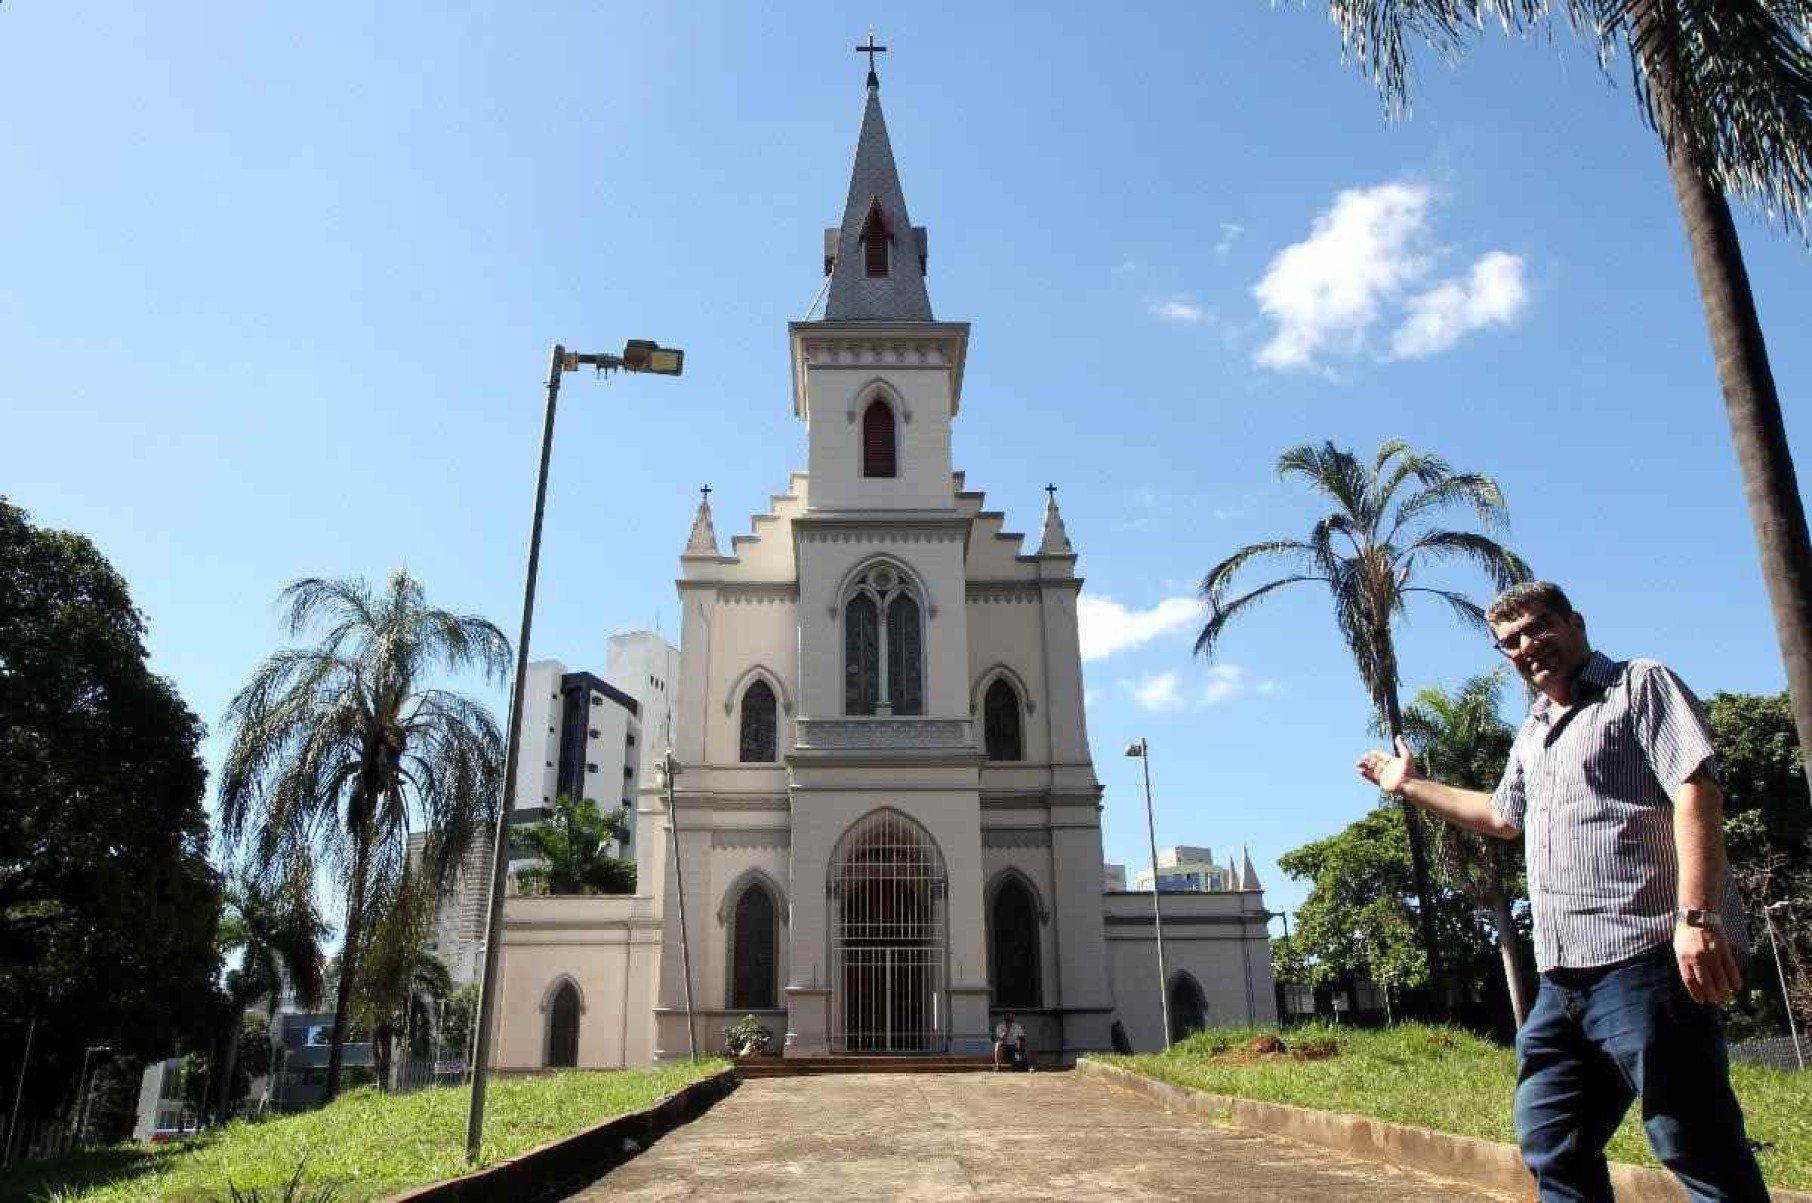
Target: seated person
{"points": [[1010, 1047]]}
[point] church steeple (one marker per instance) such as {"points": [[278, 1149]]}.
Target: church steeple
{"points": [[876, 258]]}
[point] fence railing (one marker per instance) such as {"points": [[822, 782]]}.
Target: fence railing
{"points": [[1777, 1051]]}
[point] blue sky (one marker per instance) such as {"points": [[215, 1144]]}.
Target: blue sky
{"points": [[277, 285]]}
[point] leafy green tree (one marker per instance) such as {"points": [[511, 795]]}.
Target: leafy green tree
{"points": [[573, 847], [1358, 920], [1768, 832], [454, 1039], [1462, 739], [108, 905], [401, 982], [342, 749], [1727, 84], [274, 930], [1373, 552]]}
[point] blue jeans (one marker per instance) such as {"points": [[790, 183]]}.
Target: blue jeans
{"points": [[1596, 1040]]}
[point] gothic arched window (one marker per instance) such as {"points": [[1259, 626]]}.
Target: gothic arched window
{"points": [[563, 1028], [874, 243], [1188, 1009], [1013, 957], [1000, 722], [883, 646], [878, 451], [758, 721], [753, 938]]}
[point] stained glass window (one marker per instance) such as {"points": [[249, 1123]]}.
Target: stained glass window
{"points": [[752, 943], [905, 658], [1000, 720], [861, 655], [758, 723]]}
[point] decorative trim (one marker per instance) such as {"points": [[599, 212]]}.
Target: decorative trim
{"points": [[1014, 873], [751, 837], [860, 398], [1002, 593], [845, 353], [873, 535], [553, 988], [987, 678], [745, 879], [747, 679], [1016, 837], [884, 733], [756, 594]]}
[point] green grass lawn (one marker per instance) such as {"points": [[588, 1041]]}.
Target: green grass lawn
{"points": [[367, 1145], [1451, 1081]]}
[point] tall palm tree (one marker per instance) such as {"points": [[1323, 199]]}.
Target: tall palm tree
{"points": [[1462, 739], [1371, 552], [573, 845], [344, 748], [401, 981], [273, 927], [1727, 85]]}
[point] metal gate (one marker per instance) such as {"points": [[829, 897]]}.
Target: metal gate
{"points": [[887, 939]]}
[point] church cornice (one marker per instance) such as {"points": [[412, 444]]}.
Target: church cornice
{"points": [[892, 346]]}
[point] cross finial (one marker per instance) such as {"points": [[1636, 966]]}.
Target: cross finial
{"points": [[874, 81], [1051, 493], [704, 493]]}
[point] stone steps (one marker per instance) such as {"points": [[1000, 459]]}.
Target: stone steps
{"points": [[787, 1067]]}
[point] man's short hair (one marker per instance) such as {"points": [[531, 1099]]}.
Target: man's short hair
{"points": [[1526, 597]]}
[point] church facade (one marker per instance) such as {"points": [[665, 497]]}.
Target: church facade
{"points": [[884, 827]]}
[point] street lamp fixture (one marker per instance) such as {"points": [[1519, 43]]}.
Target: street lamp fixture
{"points": [[639, 355], [1141, 750]]}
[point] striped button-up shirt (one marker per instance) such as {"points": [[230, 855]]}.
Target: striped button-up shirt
{"points": [[1592, 788]]}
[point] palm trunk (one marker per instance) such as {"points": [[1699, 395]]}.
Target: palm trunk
{"points": [[229, 1061], [1418, 868], [349, 954], [1506, 947], [1776, 511]]}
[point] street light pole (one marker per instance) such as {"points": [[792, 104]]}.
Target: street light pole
{"points": [[12, 1125], [1142, 750], [669, 770], [638, 356], [1781, 970], [84, 1091]]}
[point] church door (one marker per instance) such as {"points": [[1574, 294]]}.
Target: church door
{"points": [[887, 886]]}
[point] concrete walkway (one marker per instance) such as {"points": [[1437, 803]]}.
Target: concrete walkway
{"points": [[987, 1136]]}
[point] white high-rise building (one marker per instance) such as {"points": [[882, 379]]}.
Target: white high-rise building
{"points": [[646, 667], [1188, 869]]}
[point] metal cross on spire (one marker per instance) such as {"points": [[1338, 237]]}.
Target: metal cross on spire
{"points": [[1051, 493], [705, 492], [874, 81]]}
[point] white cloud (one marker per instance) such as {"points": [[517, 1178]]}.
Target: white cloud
{"points": [[1230, 682], [1230, 232], [1373, 245], [1108, 627], [1325, 292], [1493, 293], [1158, 693], [1181, 310]]}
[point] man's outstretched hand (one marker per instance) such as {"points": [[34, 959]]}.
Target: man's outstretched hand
{"points": [[1389, 772]]}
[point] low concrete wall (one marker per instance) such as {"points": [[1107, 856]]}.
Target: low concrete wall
{"points": [[560, 1166], [1463, 1158]]}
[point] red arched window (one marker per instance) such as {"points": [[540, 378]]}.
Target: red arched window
{"points": [[874, 243], [878, 458]]}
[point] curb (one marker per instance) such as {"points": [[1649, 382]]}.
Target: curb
{"points": [[555, 1167], [1467, 1159]]}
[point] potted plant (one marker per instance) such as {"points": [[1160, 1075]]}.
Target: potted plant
{"points": [[748, 1038]]}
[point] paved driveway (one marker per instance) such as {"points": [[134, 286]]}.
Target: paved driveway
{"points": [[987, 1136]]}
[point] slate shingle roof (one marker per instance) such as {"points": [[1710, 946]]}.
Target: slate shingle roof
{"points": [[899, 296]]}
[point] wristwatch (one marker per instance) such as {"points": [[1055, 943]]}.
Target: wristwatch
{"points": [[1693, 916]]}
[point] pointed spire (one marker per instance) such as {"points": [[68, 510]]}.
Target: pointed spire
{"points": [[703, 541], [1247, 874], [1056, 541], [876, 207]]}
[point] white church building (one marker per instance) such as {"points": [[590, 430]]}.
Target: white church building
{"points": [[887, 820]]}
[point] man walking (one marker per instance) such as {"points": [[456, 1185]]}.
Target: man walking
{"points": [[1639, 932]]}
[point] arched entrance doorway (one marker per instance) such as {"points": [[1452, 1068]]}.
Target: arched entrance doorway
{"points": [[887, 938], [1188, 1009]]}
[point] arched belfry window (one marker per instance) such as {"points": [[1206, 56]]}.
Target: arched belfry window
{"points": [[758, 724], [1000, 722], [874, 243], [879, 450], [563, 1027], [1013, 950], [754, 937], [883, 645]]}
